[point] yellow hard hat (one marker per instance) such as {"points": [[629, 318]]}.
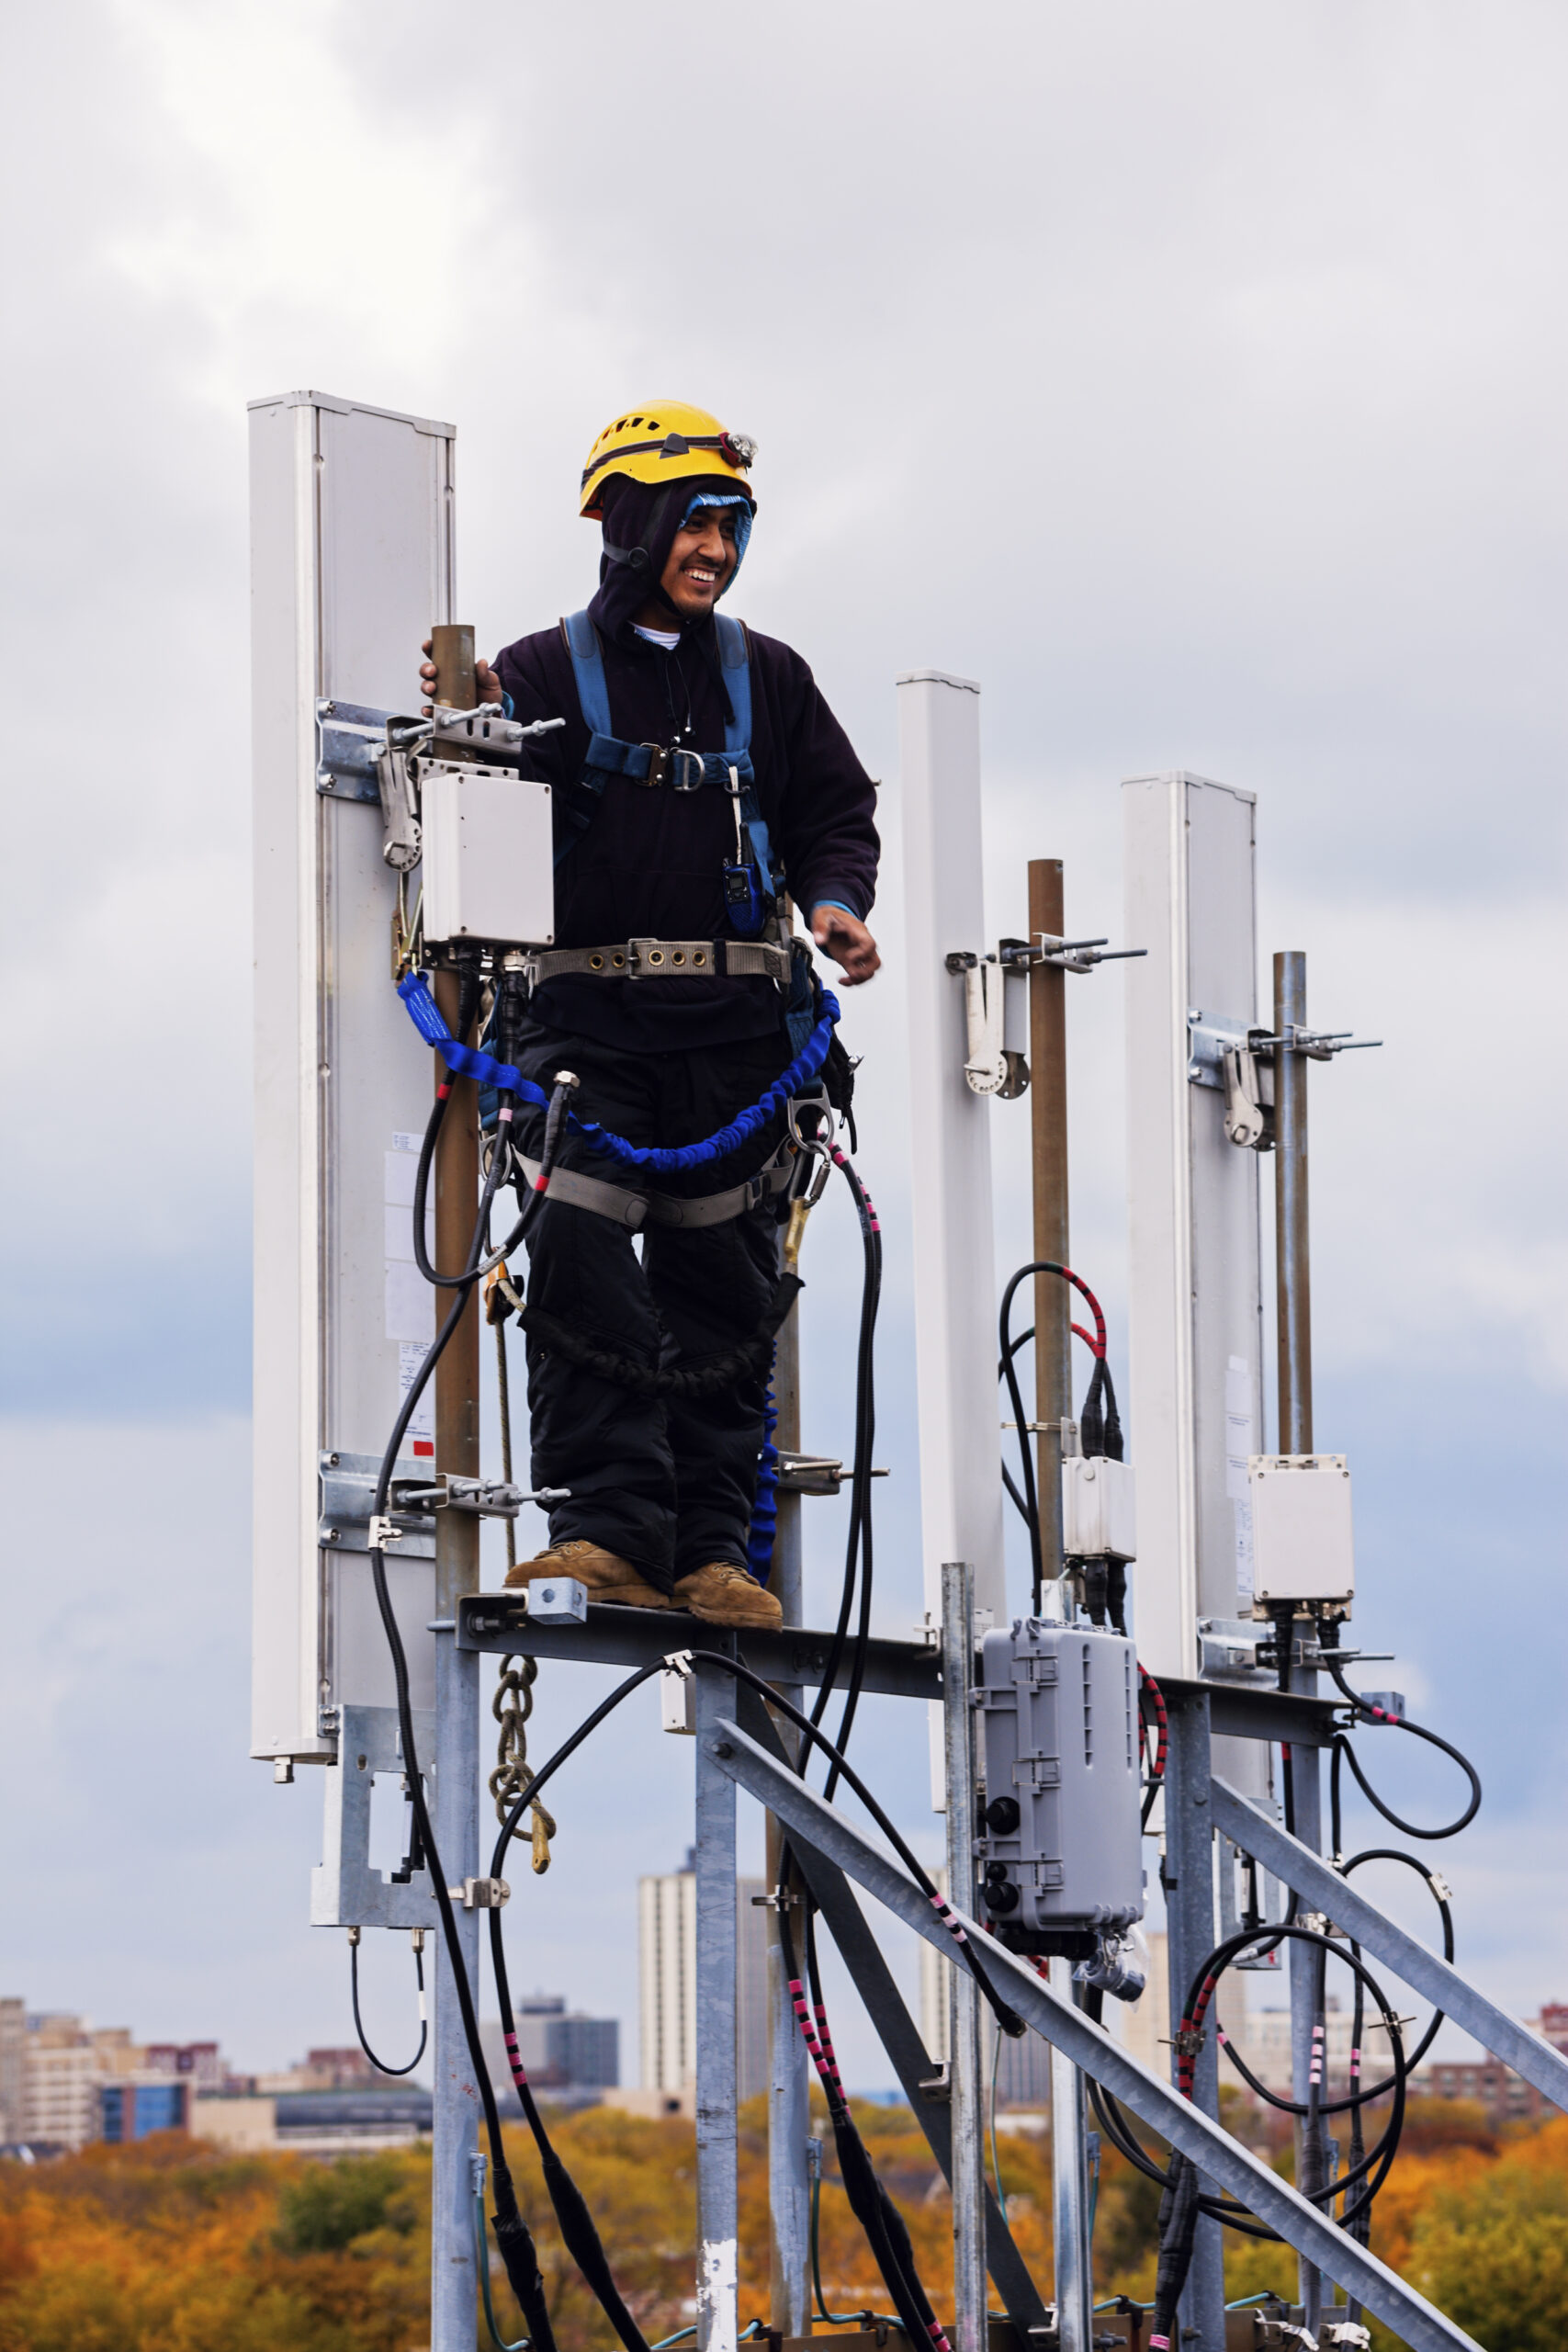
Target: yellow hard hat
{"points": [[661, 441]]}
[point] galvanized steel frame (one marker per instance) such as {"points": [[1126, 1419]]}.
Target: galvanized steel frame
{"points": [[1238, 2170]]}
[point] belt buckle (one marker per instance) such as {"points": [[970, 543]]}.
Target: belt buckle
{"points": [[684, 763], [659, 759]]}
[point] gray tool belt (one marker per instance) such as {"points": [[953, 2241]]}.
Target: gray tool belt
{"points": [[635, 1210], [665, 959]]}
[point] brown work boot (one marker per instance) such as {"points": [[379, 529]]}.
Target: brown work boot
{"points": [[606, 1576], [722, 1594]]}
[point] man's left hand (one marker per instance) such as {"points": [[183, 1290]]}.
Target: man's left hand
{"points": [[846, 939]]}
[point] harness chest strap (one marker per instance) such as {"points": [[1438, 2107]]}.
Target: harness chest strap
{"points": [[651, 764], [634, 1210]]}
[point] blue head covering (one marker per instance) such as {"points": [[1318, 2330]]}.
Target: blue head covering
{"points": [[743, 522], [640, 526]]}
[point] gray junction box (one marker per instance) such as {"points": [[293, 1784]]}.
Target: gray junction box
{"points": [[1059, 1714]]}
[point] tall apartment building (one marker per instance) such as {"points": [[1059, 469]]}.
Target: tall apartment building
{"points": [[667, 1983], [65, 2065], [1020, 2070], [13, 2067]]}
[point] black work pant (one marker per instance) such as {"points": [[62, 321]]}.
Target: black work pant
{"points": [[666, 1483]]}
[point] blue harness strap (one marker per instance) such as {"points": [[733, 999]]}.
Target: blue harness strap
{"points": [[608, 755], [734, 655], [593, 699], [470, 1061]]}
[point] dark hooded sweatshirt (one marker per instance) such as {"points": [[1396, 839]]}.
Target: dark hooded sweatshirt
{"points": [[651, 863]]}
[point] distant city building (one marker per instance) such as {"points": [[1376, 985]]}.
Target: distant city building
{"points": [[65, 2082], [65, 2063], [199, 2061], [1143, 2027], [1485, 2082], [1020, 2070], [563, 2052], [140, 2104], [667, 1984], [338, 2070], [313, 2122], [13, 2067], [1552, 2025]]}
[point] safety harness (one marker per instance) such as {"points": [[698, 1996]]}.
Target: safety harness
{"points": [[634, 1210], [752, 882], [665, 959]]}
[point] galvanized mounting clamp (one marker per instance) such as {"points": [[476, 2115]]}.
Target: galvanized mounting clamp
{"points": [[997, 1061], [383, 1531], [555, 1600], [482, 1893], [815, 1474], [1239, 1059], [1065, 955], [489, 1497]]}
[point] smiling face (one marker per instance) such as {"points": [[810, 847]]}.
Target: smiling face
{"points": [[701, 562]]}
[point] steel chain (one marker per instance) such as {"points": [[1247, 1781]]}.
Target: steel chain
{"points": [[512, 1706]]}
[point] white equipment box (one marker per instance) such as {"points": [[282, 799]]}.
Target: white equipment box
{"points": [[1301, 1528], [489, 856], [1099, 1509]]}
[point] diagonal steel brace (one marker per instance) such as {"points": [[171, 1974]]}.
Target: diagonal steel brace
{"points": [[1416, 2322], [1322, 1888], [873, 1980]]}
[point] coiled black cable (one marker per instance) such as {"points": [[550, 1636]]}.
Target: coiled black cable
{"points": [[1372, 2167], [858, 1548], [380, 2064], [1099, 1420], [512, 2235], [499, 1162], [1366, 1713]]}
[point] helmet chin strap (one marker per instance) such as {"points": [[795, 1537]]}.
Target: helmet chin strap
{"points": [[639, 559]]}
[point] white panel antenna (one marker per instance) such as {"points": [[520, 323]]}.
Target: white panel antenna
{"points": [[350, 564], [1195, 1280]]}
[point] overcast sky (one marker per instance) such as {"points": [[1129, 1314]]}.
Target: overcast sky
{"points": [[1194, 378]]}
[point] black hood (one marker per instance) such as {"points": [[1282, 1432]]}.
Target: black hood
{"points": [[641, 519]]}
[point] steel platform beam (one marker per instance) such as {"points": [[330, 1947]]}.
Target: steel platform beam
{"points": [[797, 1654]]}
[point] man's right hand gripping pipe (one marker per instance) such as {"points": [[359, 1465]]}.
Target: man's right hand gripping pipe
{"points": [[699, 775]]}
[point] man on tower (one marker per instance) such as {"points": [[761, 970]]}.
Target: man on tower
{"points": [[699, 775]]}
